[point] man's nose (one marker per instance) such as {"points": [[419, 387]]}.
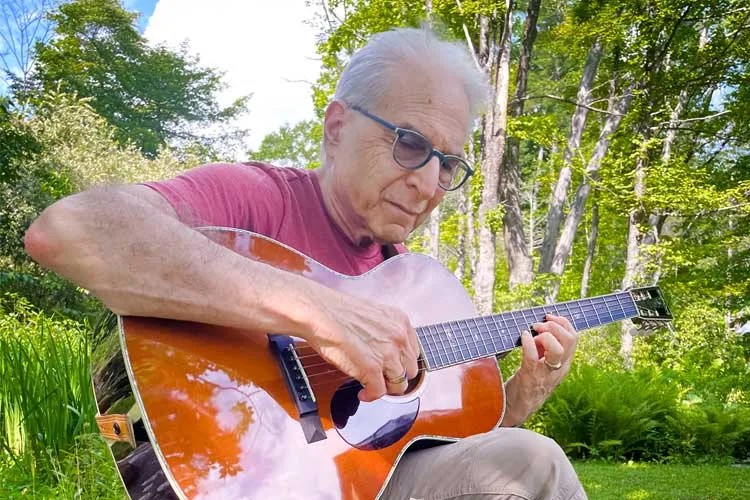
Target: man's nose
{"points": [[425, 179]]}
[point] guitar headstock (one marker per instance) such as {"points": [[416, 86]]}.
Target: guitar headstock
{"points": [[652, 309]]}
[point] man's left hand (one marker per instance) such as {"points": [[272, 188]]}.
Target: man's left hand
{"points": [[546, 361]]}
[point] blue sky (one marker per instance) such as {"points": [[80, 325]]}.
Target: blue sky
{"points": [[144, 7]]}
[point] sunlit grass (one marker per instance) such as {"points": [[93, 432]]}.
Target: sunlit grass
{"points": [[46, 398], [605, 481]]}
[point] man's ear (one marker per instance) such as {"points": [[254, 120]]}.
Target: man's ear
{"points": [[333, 123]]}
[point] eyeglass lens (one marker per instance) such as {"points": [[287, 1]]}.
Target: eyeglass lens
{"points": [[412, 150]]}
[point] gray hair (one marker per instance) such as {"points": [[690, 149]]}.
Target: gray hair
{"points": [[362, 83]]}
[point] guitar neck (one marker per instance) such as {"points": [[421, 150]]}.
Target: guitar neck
{"points": [[455, 342]]}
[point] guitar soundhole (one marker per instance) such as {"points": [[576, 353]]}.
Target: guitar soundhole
{"points": [[374, 425]]}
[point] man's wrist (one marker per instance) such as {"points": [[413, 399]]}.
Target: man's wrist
{"points": [[517, 408]]}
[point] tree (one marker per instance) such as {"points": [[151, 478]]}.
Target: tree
{"points": [[151, 95], [23, 24], [292, 146]]}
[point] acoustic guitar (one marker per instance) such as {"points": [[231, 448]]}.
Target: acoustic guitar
{"points": [[200, 411]]}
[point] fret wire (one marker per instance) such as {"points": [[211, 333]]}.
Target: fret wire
{"points": [[609, 310], [569, 315], [492, 334], [596, 312], [507, 334], [515, 322], [619, 303], [443, 343], [448, 345], [445, 347], [481, 330], [610, 303], [575, 316], [456, 341], [500, 335], [455, 347], [471, 340], [586, 316], [427, 345], [607, 316], [628, 301], [631, 302], [443, 360], [622, 313], [507, 318], [530, 317], [481, 334]]}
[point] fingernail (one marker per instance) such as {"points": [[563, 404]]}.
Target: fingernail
{"points": [[526, 333]]}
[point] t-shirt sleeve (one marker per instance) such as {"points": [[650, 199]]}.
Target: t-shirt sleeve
{"points": [[241, 196]]}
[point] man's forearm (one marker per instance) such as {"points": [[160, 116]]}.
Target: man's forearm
{"points": [[140, 261], [521, 400]]}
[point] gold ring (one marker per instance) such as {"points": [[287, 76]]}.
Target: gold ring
{"points": [[397, 381], [553, 367]]}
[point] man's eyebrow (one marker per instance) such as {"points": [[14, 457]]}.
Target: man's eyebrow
{"points": [[409, 126]]}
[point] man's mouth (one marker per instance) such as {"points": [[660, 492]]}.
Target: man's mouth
{"points": [[413, 213]]}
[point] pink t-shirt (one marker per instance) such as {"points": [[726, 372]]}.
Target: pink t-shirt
{"points": [[283, 203]]}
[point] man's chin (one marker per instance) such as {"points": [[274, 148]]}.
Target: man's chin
{"points": [[391, 234]]}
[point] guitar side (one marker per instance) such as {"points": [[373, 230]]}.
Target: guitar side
{"points": [[219, 418]]}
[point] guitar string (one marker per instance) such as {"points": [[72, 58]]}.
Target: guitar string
{"points": [[510, 336], [344, 376]]}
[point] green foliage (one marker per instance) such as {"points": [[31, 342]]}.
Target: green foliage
{"points": [[294, 146], [81, 148], [709, 361], [151, 95], [640, 415], [46, 397], [16, 143], [86, 470], [608, 414], [74, 149]]}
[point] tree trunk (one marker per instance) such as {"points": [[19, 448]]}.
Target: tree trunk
{"points": [[617, 109], [586, 278], [461, 255], [433, 234], [517, 252], [634, 265], [495, 124], [578, 123], [532, 198]]}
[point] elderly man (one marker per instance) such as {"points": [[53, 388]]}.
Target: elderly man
{"points": [[393, 141]]}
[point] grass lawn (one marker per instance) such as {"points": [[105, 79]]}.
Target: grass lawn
{"points": [[91, 475], [604, 481]]}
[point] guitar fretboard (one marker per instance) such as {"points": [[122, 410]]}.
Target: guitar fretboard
{"points": [[454, 342]]}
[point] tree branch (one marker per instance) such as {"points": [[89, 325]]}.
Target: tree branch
{"points": [[574, 103]]}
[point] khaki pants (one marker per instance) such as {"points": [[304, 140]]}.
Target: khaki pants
{"points": [[505, 463]]}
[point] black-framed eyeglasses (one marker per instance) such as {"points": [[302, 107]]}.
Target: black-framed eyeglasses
{"points": [[412, 150]]}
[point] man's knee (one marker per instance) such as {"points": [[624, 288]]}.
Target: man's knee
{"points": [[527, 462]]}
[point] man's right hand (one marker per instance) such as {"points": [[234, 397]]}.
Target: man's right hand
{"points": [[372, 343]]}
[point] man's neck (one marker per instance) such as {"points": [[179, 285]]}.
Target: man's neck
{"points": [[336, 207]]}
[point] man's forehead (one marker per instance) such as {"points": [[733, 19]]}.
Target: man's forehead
{"points": [[429, 103]]}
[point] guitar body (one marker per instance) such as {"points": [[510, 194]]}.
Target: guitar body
{"points": [[213, 413]]}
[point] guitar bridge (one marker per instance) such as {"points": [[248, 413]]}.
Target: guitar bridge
{"points": [[299, 387]]}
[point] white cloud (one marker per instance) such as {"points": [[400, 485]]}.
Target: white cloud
{"points": [[263, 47]]}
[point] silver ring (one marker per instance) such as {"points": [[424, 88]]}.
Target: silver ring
{"points": [[556, 366], [397, 381]]}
